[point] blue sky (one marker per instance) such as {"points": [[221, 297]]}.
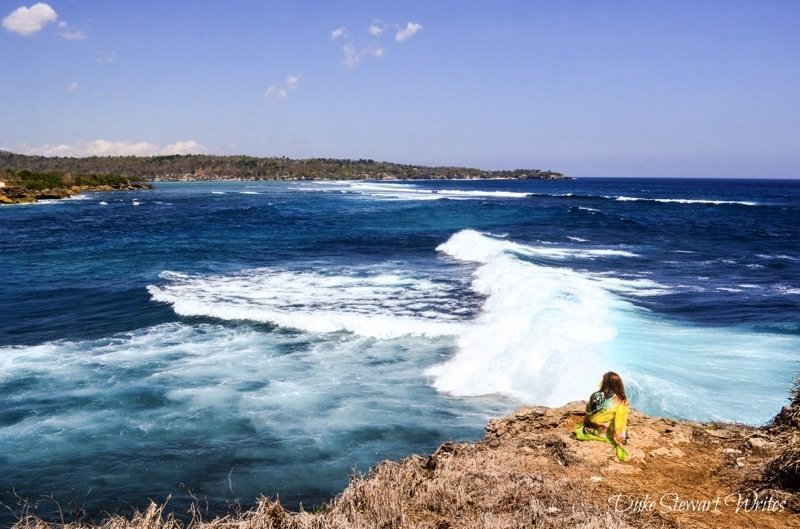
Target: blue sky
{"points": [[588, 88]]}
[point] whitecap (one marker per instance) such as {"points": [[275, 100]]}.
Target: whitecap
{"points": [[546, 334], [364, 301], [405, 191], [685, 201]]}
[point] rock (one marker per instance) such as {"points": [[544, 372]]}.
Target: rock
{"points": [[53, 194], [758, 442], [719, 434]]}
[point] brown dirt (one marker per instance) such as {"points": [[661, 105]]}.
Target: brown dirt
{"points": [[530, 471]]}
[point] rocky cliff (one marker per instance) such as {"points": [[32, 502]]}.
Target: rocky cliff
{"points": [[530, 471], [15, 194]]}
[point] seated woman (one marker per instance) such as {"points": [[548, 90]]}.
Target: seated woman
{"points": [[607, 415]]}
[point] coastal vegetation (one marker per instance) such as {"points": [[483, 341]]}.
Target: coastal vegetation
{"points": [[28, 186], [208, 167]]}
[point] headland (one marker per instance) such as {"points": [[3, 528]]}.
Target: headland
{"points": [[197, 167], [529, 471]]}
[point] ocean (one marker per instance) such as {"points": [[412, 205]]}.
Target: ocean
{"points": [[214, 341]]}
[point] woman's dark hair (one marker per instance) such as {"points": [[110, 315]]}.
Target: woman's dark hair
{"points": [[612, 385]]}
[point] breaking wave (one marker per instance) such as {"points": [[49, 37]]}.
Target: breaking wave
{"points": [[519, 326], [545, 335]]}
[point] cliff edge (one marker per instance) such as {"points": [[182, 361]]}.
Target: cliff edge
{"points": [[530, 471]]}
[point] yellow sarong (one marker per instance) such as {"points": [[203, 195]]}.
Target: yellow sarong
{"points": [[614, 418]]}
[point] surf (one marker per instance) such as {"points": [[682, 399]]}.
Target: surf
{"points": [[361, 300], [546, 333]]}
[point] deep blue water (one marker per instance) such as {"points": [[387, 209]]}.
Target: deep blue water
{"points": [[228, 339]]}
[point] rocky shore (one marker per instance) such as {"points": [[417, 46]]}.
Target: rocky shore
{"points": [[23, 195], [530, 471]]}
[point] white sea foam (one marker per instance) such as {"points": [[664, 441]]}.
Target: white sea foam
{"points": [[526, 250], [543, 334], [361, 301], [518, 345], [637, 287], [546, 334], [777, 257], [410, 191], [148, 392], [684, 201]]}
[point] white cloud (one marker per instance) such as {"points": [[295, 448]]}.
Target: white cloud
{"points": [[353, 56], [377, 28], [274, 92], [73, 87], [280, 92], [338, 33], [356, 52], [73, 35], [26, 21], [70, 34], [407, 32], [116, 148], [108, 58], [184, 147]]}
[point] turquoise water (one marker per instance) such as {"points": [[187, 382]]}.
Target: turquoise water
{"points": [[223, 340]]}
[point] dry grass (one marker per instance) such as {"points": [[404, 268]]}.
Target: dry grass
{"points": [[530, 472], [783, 470], [788, 420], [460, 486], [781, 473]]}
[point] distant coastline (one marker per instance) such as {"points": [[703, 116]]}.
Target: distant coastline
{"points": [[191, 168], [25, 187]]}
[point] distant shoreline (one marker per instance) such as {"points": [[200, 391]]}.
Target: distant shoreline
{"points": [[16, 195], [26, 187], [194, 168]]}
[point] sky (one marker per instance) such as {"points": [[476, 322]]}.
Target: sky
{"points": [[611, 88]]}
